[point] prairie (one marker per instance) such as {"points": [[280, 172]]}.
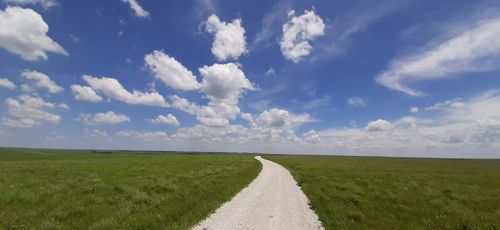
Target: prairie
{"points": [[63, 189], [397, 193]]}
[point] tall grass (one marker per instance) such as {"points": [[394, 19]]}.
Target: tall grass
{"points": [[42, 189], [390, 193]]}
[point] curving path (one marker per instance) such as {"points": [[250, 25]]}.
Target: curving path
{"points": [[272, 201]]}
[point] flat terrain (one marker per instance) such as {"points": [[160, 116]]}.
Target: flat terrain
{"points": [[56, 189], [272, 201], [393, 193]]}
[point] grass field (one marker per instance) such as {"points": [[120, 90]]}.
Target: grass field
{"points": [[54, 189], [390, 193]]}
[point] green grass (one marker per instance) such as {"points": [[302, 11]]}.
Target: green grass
{"points": [[55, 189], [390, 193]]}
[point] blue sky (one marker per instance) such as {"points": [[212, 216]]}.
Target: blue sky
{"points": [[392, 78]]}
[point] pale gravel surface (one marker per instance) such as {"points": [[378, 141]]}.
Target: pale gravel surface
{"points": [[272, 201]]}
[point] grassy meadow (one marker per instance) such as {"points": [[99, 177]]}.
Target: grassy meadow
{"points": [[58, 189], [394, 193]]}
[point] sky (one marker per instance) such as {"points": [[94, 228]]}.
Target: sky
{"points": [[385, 78]]}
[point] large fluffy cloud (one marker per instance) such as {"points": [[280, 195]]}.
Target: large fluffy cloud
{"points": [[298, 32], [138, 10], [114, 90], [6, 83], [229, 38], [277, 118], [222, 85], [475, 50], [168, 120], [270, 128], [42, 81], [378, 125], [103, 118], [29, 111], [85, 93], [24, 32], [170, 71]]}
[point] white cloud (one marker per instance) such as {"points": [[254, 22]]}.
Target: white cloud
{"points": [[96, 133], [448, 104], [270, 72], [6, 83], [378, 125], [85, 93], [144, 135], [469, 130], [44, 3], [356, 101], [19, 123], [24, 32], [170, 71], [414, 109], [63, 106], [229, 38], [114, 90], [42, 81], [475, 50], [30, 111], [103, 118], [138, 10], [223, 85], [278, 118], [312, 136], [169, 120], [298, 32], [206, 115]]}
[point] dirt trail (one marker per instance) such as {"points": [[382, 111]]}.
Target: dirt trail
{"points": [[272, 201]]}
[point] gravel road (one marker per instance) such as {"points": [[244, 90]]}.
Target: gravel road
{"points": [[272, 201]]}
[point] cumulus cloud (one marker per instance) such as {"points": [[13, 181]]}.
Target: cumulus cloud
{"points": [[138, 10], [281, 118], [469, 130], [474, 50], [229, 38], [356, 101], [206, 115], [103, 118], [168, 120], [170, 71], [85, 93], [298, 32], [270, 128], [42, 81], [144, 135], [96, 133], [63, 106], [378, 125], [30, 111], [414, 109], [448, 104], [44, 3], [114, 90], [6, 83], [24, 32], [222, 85]]}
